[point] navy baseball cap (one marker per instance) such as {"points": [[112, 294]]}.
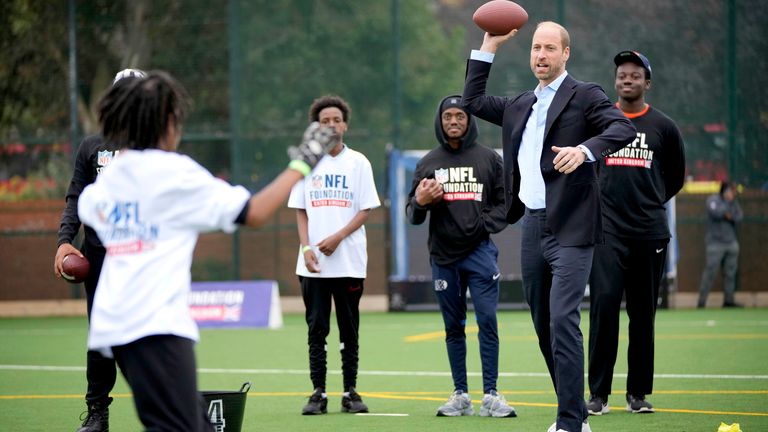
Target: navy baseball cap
{"points": [[633, 57]]}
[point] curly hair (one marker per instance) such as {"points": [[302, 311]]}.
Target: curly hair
{"points": [[327, 101], [136, 113]]}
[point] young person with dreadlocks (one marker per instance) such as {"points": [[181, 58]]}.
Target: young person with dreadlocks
{"points": [[148, 209], [93, 155]]}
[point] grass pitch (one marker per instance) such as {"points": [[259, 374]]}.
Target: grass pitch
{"points": [[711, 367]]}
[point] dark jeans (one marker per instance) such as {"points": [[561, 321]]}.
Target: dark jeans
{"points": [[554, 280], [631, 267], [345, 293], [479, 273]]}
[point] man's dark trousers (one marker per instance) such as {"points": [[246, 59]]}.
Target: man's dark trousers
{"points": [[479, 273], [554, 280]]}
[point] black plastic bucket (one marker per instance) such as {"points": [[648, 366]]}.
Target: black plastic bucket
{"points": [[226, 408]]}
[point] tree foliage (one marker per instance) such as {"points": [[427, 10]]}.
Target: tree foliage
{"points": [[292, 51]]}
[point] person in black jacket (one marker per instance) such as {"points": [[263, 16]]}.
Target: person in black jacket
{"points": [[551, 138], [635, 183], [460, 185], [93, 155]]}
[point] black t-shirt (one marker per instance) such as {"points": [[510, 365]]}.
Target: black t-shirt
{"points": [[637, 180]]}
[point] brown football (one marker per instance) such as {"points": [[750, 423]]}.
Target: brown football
{"points": [[499, 17], [75, 268]]}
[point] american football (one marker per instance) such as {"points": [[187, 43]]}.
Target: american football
{"points": [[499, 17], [75, 268]]}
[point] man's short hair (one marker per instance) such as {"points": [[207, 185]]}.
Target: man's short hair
{"points": [[328, 101]]}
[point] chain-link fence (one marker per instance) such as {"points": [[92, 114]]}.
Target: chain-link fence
{"points": [[254, 67]]}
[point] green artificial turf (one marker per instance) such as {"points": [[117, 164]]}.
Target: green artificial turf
{"points": [[711, 367]]}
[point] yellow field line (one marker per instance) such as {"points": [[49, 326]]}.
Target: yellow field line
{"points": [[64, 396], [434, 335], [437, 335], [743, 336], [413, 395], [714, 392], [730, 413], [422, 396], [472, 330]]}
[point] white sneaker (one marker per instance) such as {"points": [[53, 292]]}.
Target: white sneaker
{"points": [[459, 404], [584, 428], [495, 405]]}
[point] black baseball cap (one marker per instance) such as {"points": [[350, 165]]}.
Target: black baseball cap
{"points": [[452, 102], [633, 57]]}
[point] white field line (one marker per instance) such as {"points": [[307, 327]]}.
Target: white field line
{"points": [[383, 373]]}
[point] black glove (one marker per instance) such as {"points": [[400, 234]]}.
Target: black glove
{"points": [[316, 142]]}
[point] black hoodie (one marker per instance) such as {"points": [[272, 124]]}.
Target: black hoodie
{"points": [[472, 207]]}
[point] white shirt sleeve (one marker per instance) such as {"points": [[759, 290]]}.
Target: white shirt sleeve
{"points": [[482, 56], [296, 199], [369, 197], [590, 156], [196, 199]]}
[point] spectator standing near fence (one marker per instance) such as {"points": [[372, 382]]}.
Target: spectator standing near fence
{"points": [[722, 244]]}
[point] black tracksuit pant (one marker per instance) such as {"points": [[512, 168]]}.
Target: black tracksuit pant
{"points": [[345, 294], [634, 268], [100, 371], [163, 377]]}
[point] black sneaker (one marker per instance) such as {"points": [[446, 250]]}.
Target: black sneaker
{"points": [[96, 419], [353, 403], [638, 404], [317, 404], [598, 405], [732, 305]]}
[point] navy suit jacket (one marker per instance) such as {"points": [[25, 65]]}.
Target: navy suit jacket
{"points": [[580, 113]]}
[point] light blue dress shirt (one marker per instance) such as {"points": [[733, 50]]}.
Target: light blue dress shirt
{"points": [[532, 189]]}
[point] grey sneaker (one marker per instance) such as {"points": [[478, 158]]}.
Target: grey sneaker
{"points": [[459, 404], [638, 404], [598, 405], [317, 404], [494, 405], [353, 403]]}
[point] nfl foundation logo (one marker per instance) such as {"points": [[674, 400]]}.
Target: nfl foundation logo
{"points": [[103, 158], [317, 181], [441, 175]]}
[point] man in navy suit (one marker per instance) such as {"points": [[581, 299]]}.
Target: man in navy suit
{"points": [[551, 136]]}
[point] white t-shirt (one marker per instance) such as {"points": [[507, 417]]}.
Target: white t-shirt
{"points": [[336, 191], [147, 209]]}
